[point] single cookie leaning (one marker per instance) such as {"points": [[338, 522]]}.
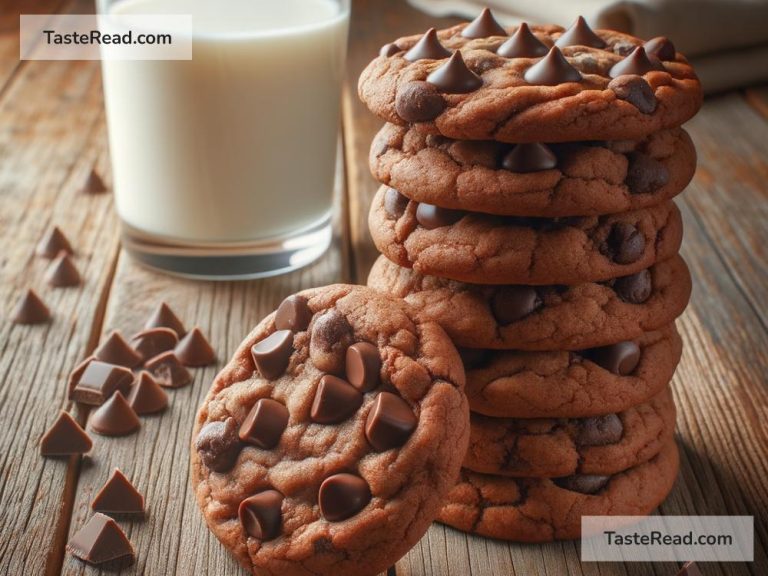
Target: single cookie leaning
{"points": [[560, 384], [550, 448], [481, 248], [560, 87], [543, 317], [542, 510], [578, 179], [329, 441]]}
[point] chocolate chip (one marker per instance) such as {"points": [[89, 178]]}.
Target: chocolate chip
{"points": [[115, 350], [625, 243], [168, 370], [115, 417], [63, 272], [637, 63], [418, 101], [335, 400], [363, 364], [529, 158], [100, 541], [512, 303], [580, 34], [454, 77], [394, 203], [389, 50], [551, 70], [390, 422], [635, 90], [522, 44], [599, 430], [261, 515], [64, 438], [264, 424], [271, 354], [53, 243], [621, 358], [195, 350], [331, 336], [150, 343], [118, 496], [483, 26], [94, 184], [431, 217], [475, 357], [218, 445], [636, 288], [30, 309], [645, 174], [427, 48], [163, 317], [583, 483], [293, 314], [661, 47], [342, 496], [99, 381], [146, 395]]}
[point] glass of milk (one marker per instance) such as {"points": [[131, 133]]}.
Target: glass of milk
{"points": [[224, 165]]}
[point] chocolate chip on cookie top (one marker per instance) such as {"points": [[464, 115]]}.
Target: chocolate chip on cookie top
{"points": [[340, 418], [560, 84]]}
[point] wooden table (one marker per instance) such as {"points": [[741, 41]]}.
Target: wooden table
{"points": [[52, 133]]}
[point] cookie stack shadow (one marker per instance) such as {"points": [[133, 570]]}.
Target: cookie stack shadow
{"points": [[549, 254]]}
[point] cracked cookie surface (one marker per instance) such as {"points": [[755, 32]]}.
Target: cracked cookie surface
{"points": [[504, 106], [329, 441]]}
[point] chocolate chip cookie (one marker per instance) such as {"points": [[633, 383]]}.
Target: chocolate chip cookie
{"points": [[542, 509], [543, 317], [550, 180], [537, 84], [554, 447], [329, 441], [481, 248]]}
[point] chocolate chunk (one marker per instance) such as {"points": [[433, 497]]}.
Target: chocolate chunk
{"points": [[53, 243], [218, 445], [30, 309], [115, 350], [580, 34], [661, 47], [335, 400], [194, 349], [264, 424], [634, 289], [454, 77], [431, 217], [115, 417], [600, 430], [94, 184], [149, 343], [635, 90], [475, 357], [261, 515], [293, 314], [529, 158], [63, 272], [389, 50], [100, 541], [271, 354], [427, 48], [645, 174], [76, 374], [331, 336], [99, 381], [583, 483], [512, 303], [625, 243], [65, 438], [363, 366], [621, 358], [163, 317], [394, 203], [168, 370], [342, 496], [636, 63], [551, 70], [483, 26], [418, 101], [390, 422], [146, 395], [118, 496], [689, 569], [522, 44]]}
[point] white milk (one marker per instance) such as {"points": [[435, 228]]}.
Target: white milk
{"points": [[239, 143]]}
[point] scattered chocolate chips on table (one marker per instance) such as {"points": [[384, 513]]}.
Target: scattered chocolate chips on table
{"points": [[146, 396], [53, 243], [153, 342], [98, 381], [101, 541], [115, 417], [94, 184], [168, 370], [116, 350], [194, 349], [164, 317], [30, 309], [65, 438], [63, 273], [118, 496]]}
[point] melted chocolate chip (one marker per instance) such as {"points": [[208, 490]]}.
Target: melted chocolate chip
{"points": [[529, 158], [389, 50], [522, 44], [580, 34], [600, 430], [621, 358], [625, 244], [271, 354], [390, 422], [427, 48], [636, 63], [551, 70], [645, 174], [335, 400], [331, 336], [342, 496], [218, 445], [261, 515], [636, 288], [394, 203], [454, 77], [483, 26], [264, 424], [293, 314], [661, 47], [635, 90], [431, 217], [583, 483], [363, 365], [419, 101], [512, 303]]}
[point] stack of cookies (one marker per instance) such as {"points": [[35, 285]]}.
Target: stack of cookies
{"points": [[528, 176]]}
